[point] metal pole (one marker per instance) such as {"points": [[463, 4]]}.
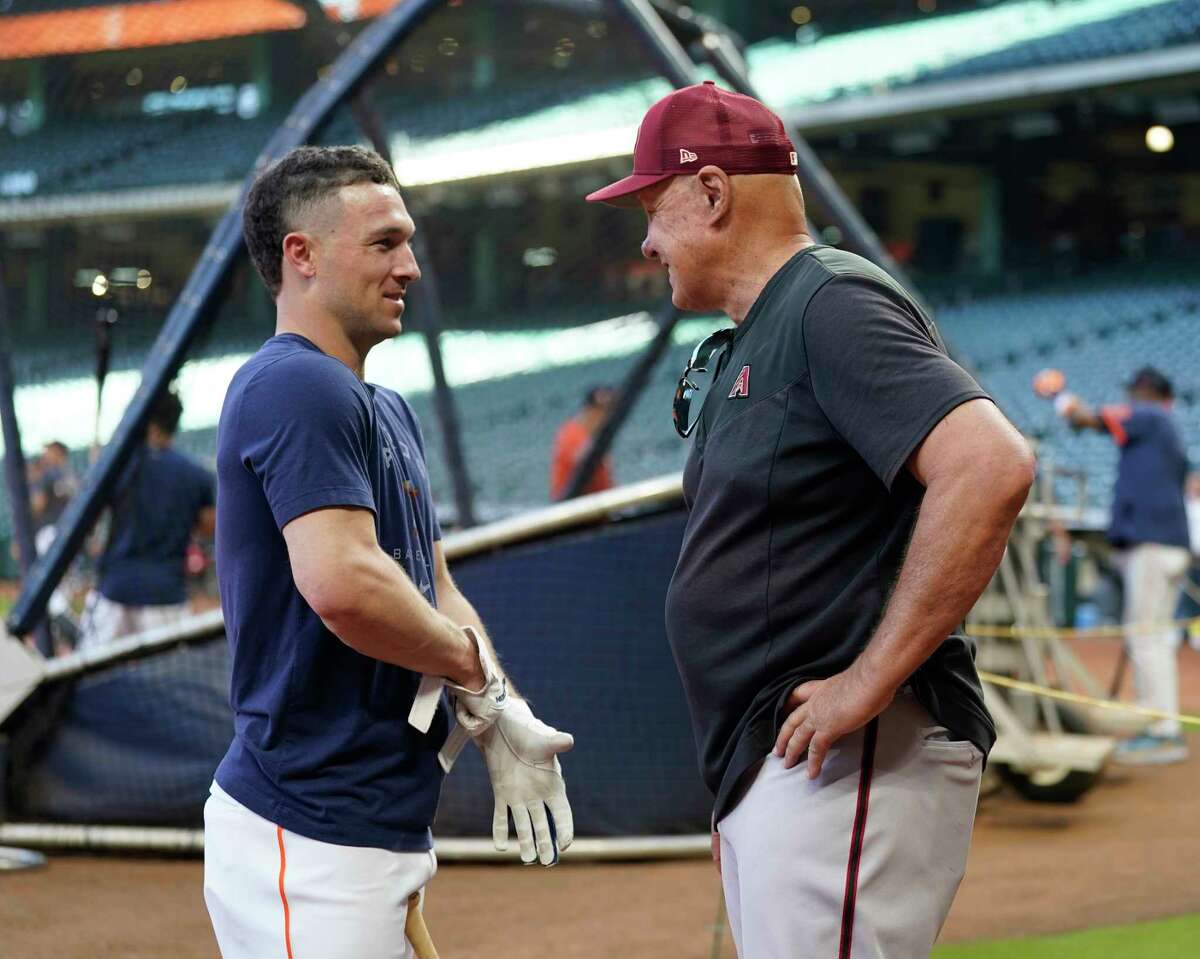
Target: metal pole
{"points": [[14, 465], [426, 297], [627, 396]]}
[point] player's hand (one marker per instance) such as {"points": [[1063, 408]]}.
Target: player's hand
{"points": [[1065, 405], [823, 711], [521, 753]]}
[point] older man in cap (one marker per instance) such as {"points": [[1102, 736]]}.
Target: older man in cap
{"points": [[850, 492], [1149, 528]]}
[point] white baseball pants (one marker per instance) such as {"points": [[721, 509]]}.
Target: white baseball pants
{"points": [[1153, 576], [862, 862], [272, 894], [104, 620]]}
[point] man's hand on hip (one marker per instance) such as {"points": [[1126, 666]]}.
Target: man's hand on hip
{"points": [[823, 711], [522, 760]]}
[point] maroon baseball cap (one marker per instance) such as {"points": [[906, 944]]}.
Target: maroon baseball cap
{"points": [[696, 126]]}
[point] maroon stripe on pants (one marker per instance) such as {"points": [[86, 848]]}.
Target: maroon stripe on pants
{"points": [[856, 838]]}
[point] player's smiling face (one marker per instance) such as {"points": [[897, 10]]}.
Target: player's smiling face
{"points": [[675, 235], [366, 261]]}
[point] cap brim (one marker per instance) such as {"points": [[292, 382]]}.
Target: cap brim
{"points": [[624, 192]]}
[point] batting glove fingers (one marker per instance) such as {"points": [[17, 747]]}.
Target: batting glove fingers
{"points": [[522, 759]]}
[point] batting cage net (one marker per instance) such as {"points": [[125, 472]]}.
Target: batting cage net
{"points": [[577, 614], [125, 135]]}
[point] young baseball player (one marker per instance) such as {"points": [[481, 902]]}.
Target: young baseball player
{"points": [[342, 617]]}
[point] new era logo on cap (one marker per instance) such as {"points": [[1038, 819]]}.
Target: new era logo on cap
{"points": [[687, 156]]}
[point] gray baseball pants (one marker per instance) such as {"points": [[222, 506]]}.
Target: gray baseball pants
{"points": [[862, 862]]}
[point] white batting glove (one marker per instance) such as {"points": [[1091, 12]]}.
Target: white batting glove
{"points": [[521, 753], [477, 710]]}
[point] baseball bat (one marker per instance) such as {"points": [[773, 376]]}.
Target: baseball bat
{"points": [[416, 932]]}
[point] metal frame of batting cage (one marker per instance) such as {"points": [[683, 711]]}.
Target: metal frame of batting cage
{"points": [[635, 499], [194, 308]]}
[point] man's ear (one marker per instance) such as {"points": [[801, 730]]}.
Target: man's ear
{"points": [[718, 191], [299, 252]]}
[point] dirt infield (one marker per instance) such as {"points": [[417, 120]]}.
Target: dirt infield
{"points": [[1126, 852]]}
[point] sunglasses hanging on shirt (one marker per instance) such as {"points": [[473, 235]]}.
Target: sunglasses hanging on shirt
{"points": [[703, 356]]}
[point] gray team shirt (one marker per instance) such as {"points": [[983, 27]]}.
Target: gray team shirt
{"points": [[800, 508]]}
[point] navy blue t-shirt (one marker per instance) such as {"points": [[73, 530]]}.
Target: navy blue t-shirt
{"points": [[322, 745], [158, 501], [1148, 501]]}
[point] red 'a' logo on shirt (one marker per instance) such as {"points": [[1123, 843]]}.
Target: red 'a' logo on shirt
{"points": [[741, 386]]}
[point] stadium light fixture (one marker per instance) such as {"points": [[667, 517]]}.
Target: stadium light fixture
{"points": [[1160, 139], [99, 285]]}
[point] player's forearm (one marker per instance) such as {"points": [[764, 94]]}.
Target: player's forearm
{"points": [[958, 541], [458, 609], [384, 616], [1084, 418]]}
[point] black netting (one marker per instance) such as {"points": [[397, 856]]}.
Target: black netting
{"points": [[579, 620]]}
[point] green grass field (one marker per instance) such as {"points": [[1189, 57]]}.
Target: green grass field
{"points": [[1167, 939]]}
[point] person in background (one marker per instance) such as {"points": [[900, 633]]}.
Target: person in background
{"points": [[53, 484], [1150, 529], [1189, 603], [162, 499], [574, 439]]}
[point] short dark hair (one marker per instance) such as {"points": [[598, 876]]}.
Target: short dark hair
{"points": [[1151, 381], [166, 411], [288, 188]]}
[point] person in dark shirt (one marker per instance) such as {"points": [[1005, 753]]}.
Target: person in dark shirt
{"points": [[162, 499], [850, 493], [340, 609], [52, 484], [1149, 528], [52, 488], [574, 439]]}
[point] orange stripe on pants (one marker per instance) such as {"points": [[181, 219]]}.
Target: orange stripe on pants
{"points": [[287, 919]]}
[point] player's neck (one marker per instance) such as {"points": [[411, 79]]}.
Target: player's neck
{"points": [[324, 332]]}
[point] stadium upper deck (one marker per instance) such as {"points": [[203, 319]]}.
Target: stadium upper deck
{"points": [[118, 160], [103, 99]]}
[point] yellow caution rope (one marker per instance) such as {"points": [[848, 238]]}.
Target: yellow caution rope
{"points": [[1066, 697]]}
